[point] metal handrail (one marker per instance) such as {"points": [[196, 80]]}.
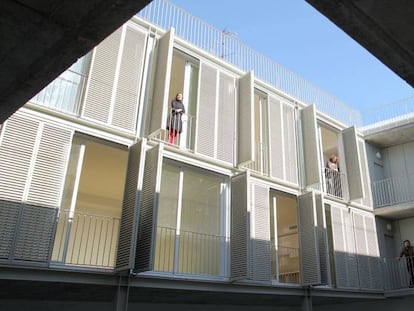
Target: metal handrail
{"points": [[393, 190], [222, 44]]}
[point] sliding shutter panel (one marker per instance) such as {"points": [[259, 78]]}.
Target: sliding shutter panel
{"points": [[310, 146], [98, 100], [322, 241], [309, 251], [161, 81], [17, 142], [276, 138], [240, 228], [375, 268], [245, 127], [261, 240], [226, 119], [48, 176], [147, 223], [130, 72], [353, 167], [361, 251], [367, 199], [289, 143], [206, 116], [130, 206]]}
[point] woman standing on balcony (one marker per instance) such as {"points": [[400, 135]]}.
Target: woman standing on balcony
{"points": [[333, 178], [174, 122], [408, 252]]}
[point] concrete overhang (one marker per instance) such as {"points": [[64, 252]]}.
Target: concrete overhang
{"points": [[382, 27], [42, 38]]}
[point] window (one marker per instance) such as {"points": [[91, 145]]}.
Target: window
{"points": [[261, 133], [87, 232], [191, 221]]}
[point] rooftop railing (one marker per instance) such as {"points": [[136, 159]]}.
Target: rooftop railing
{"points": [[224, 45]]}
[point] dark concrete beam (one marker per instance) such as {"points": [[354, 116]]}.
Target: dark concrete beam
{"points": [[383, 27], [39, 39]]}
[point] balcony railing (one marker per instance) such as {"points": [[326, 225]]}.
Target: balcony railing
{"points": [[285, 264], [335, 183], [261, 163], [394, 190], [186, 252], [222, 44], [172, 137], [85, 240], [398, 273]]}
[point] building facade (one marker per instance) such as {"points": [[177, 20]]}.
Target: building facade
{"points": [[101, 209]]}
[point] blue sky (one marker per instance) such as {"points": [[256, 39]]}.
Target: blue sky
{"points": [[296, 36]]}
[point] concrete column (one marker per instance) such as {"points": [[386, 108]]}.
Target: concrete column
{"points": [[122, 294]]}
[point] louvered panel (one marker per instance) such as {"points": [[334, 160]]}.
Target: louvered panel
{"points": [[289, 131], [353, 166], [362, 251], [35, 235], [309, 250], [261, 241], [373, 253], [339, 245], [130, 207], [99, 90], [240, 228], [16, 147], [310, 146], [367, 199], [245, 126], [206, 122], [9, 214], [159, 102], [50, 167], [226, 119], [145, 247], [126, 100], [322, 239], [276, 138], [351, 256]]}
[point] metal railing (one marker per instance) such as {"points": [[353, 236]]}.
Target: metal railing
{"points": [[335, 183], [186, 252], [222, 44], [398, 273], [86, 240], [172, 135], [394, 190], [285, 264], [261, 163], [401, 111]]}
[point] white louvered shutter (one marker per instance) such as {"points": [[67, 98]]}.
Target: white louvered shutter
{"points": [[206, 122], [374, 259], [260, 237], [48, 176], [240, 228], [245, 125], [322, 239], [130, 72], [147, 218], [160, 102], [289, 143], [226, 119], [309, 250], [367, 199], [276, 138], [361, 250], [98, 99], [346, 266], [310, 146], [353, 166], [130, 206]]}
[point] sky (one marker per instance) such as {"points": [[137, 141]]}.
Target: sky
{"points": [[296, 36]]}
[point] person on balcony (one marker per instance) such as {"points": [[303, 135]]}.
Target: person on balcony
{"points": [[174, 122], [333, 178], [408, 252]]}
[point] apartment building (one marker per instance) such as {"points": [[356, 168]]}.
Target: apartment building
{"points": [[99, 209]]}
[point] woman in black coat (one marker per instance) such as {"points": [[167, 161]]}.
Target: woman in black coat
{"points": [[174, 122]]}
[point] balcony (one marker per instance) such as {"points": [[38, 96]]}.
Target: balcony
{"points": [[184, 140], [335, 183], [261, 164], [394, 190], [397, 273]]}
